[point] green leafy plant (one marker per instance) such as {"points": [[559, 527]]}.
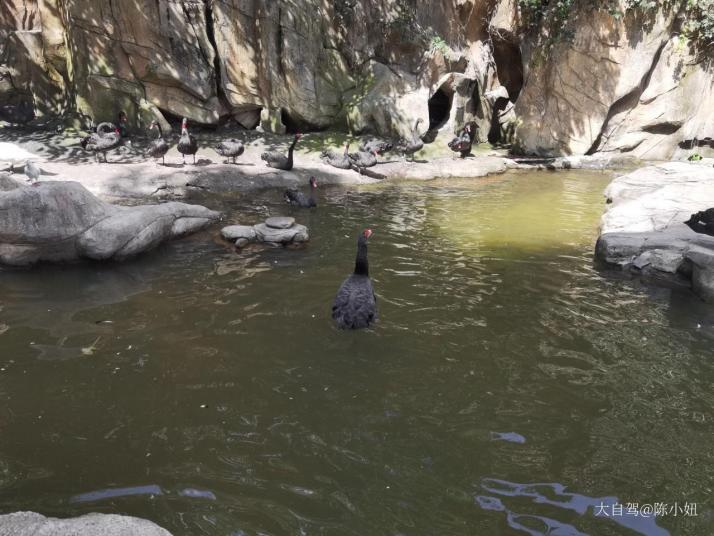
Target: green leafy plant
{"points": [[439, 44], [695, 157]]}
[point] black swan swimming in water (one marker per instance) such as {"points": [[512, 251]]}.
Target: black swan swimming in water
{"points": [[187, 143], [158, 147], [296, 197], [278, 160], [414, 144], [101, 143], [230, 148], [355, 306], [702, 222], [462, 143]]}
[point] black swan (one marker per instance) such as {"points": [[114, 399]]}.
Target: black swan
{"points": [[413, 145], [278, 160], [462, 143], [158, 147], [32, 172], [355, 305], [335, 159], [187, 143], [19, 114], [363, 159], [702, 222], [101, 143], [230, 148], [374, 144], [296, 197]]}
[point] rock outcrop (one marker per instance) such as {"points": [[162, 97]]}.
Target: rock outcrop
{"points": [[643, 228], [285, 65], [32, 524], [62, 222], [618, 85]]}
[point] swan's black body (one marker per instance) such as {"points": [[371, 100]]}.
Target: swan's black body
{"points": [[463, 142], [278, 160], [363, 159], [187, 143], [355, 306], [336, 159], [380, 146], [101, 143], [158, 147], [702, 222], [230, 149], [297, 198]]}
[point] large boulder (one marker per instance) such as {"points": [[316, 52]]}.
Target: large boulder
{"points": [[33, 524], [62, 221], [644, 227]]}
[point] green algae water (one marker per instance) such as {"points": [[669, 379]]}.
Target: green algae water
{"points": [[509, 386]]}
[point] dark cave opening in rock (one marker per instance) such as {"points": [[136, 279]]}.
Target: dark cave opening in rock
{"points": [[494, 133], [440, 108], [509, 65], [294, 125]]}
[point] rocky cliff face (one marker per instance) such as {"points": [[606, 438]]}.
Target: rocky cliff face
{"points": [[628, 84], [367, 65]]}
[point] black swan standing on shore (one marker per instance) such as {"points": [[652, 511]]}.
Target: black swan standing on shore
{"points": [[463, 142], [355, 306], [101, 143], [296, 197], [230, 148], [413, 145], [278, 160], [335, 159], [187, 143], [158, 147]]}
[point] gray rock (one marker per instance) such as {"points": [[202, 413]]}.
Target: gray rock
{"points": [[62, 221], [280, 222], [236, 232], [660, 259], [296, 233], [33, 524], [242, 242]]}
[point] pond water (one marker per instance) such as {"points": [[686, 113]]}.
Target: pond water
{"points": [[509, 386]]}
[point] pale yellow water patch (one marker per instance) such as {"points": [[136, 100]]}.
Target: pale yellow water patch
{"points": [[516, 212]]}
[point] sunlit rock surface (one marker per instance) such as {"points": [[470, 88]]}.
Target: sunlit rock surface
{"points": [[63, 221], [644, 224], [32, 524]]}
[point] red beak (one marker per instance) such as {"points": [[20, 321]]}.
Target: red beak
{"points": [[368, 232]]}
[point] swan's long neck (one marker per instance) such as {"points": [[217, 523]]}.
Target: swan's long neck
{"points": [[291, 149], [161, 131], [361, 262]]}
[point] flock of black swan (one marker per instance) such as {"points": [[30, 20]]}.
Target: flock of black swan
{"points": [[355, 305]]}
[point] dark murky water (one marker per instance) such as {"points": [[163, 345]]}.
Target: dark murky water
{"points": [[508, 388]]}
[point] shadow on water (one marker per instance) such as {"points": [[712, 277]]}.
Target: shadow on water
{"points": [[209, 391]]}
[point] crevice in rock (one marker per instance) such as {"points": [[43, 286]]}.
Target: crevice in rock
{"points": [[626, 103], [509, 65], [662, 128], [210, 33]]}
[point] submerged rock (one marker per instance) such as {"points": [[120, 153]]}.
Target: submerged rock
{"points": [[33, 524], [63, 221], [237, 232], [644, 226]]}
